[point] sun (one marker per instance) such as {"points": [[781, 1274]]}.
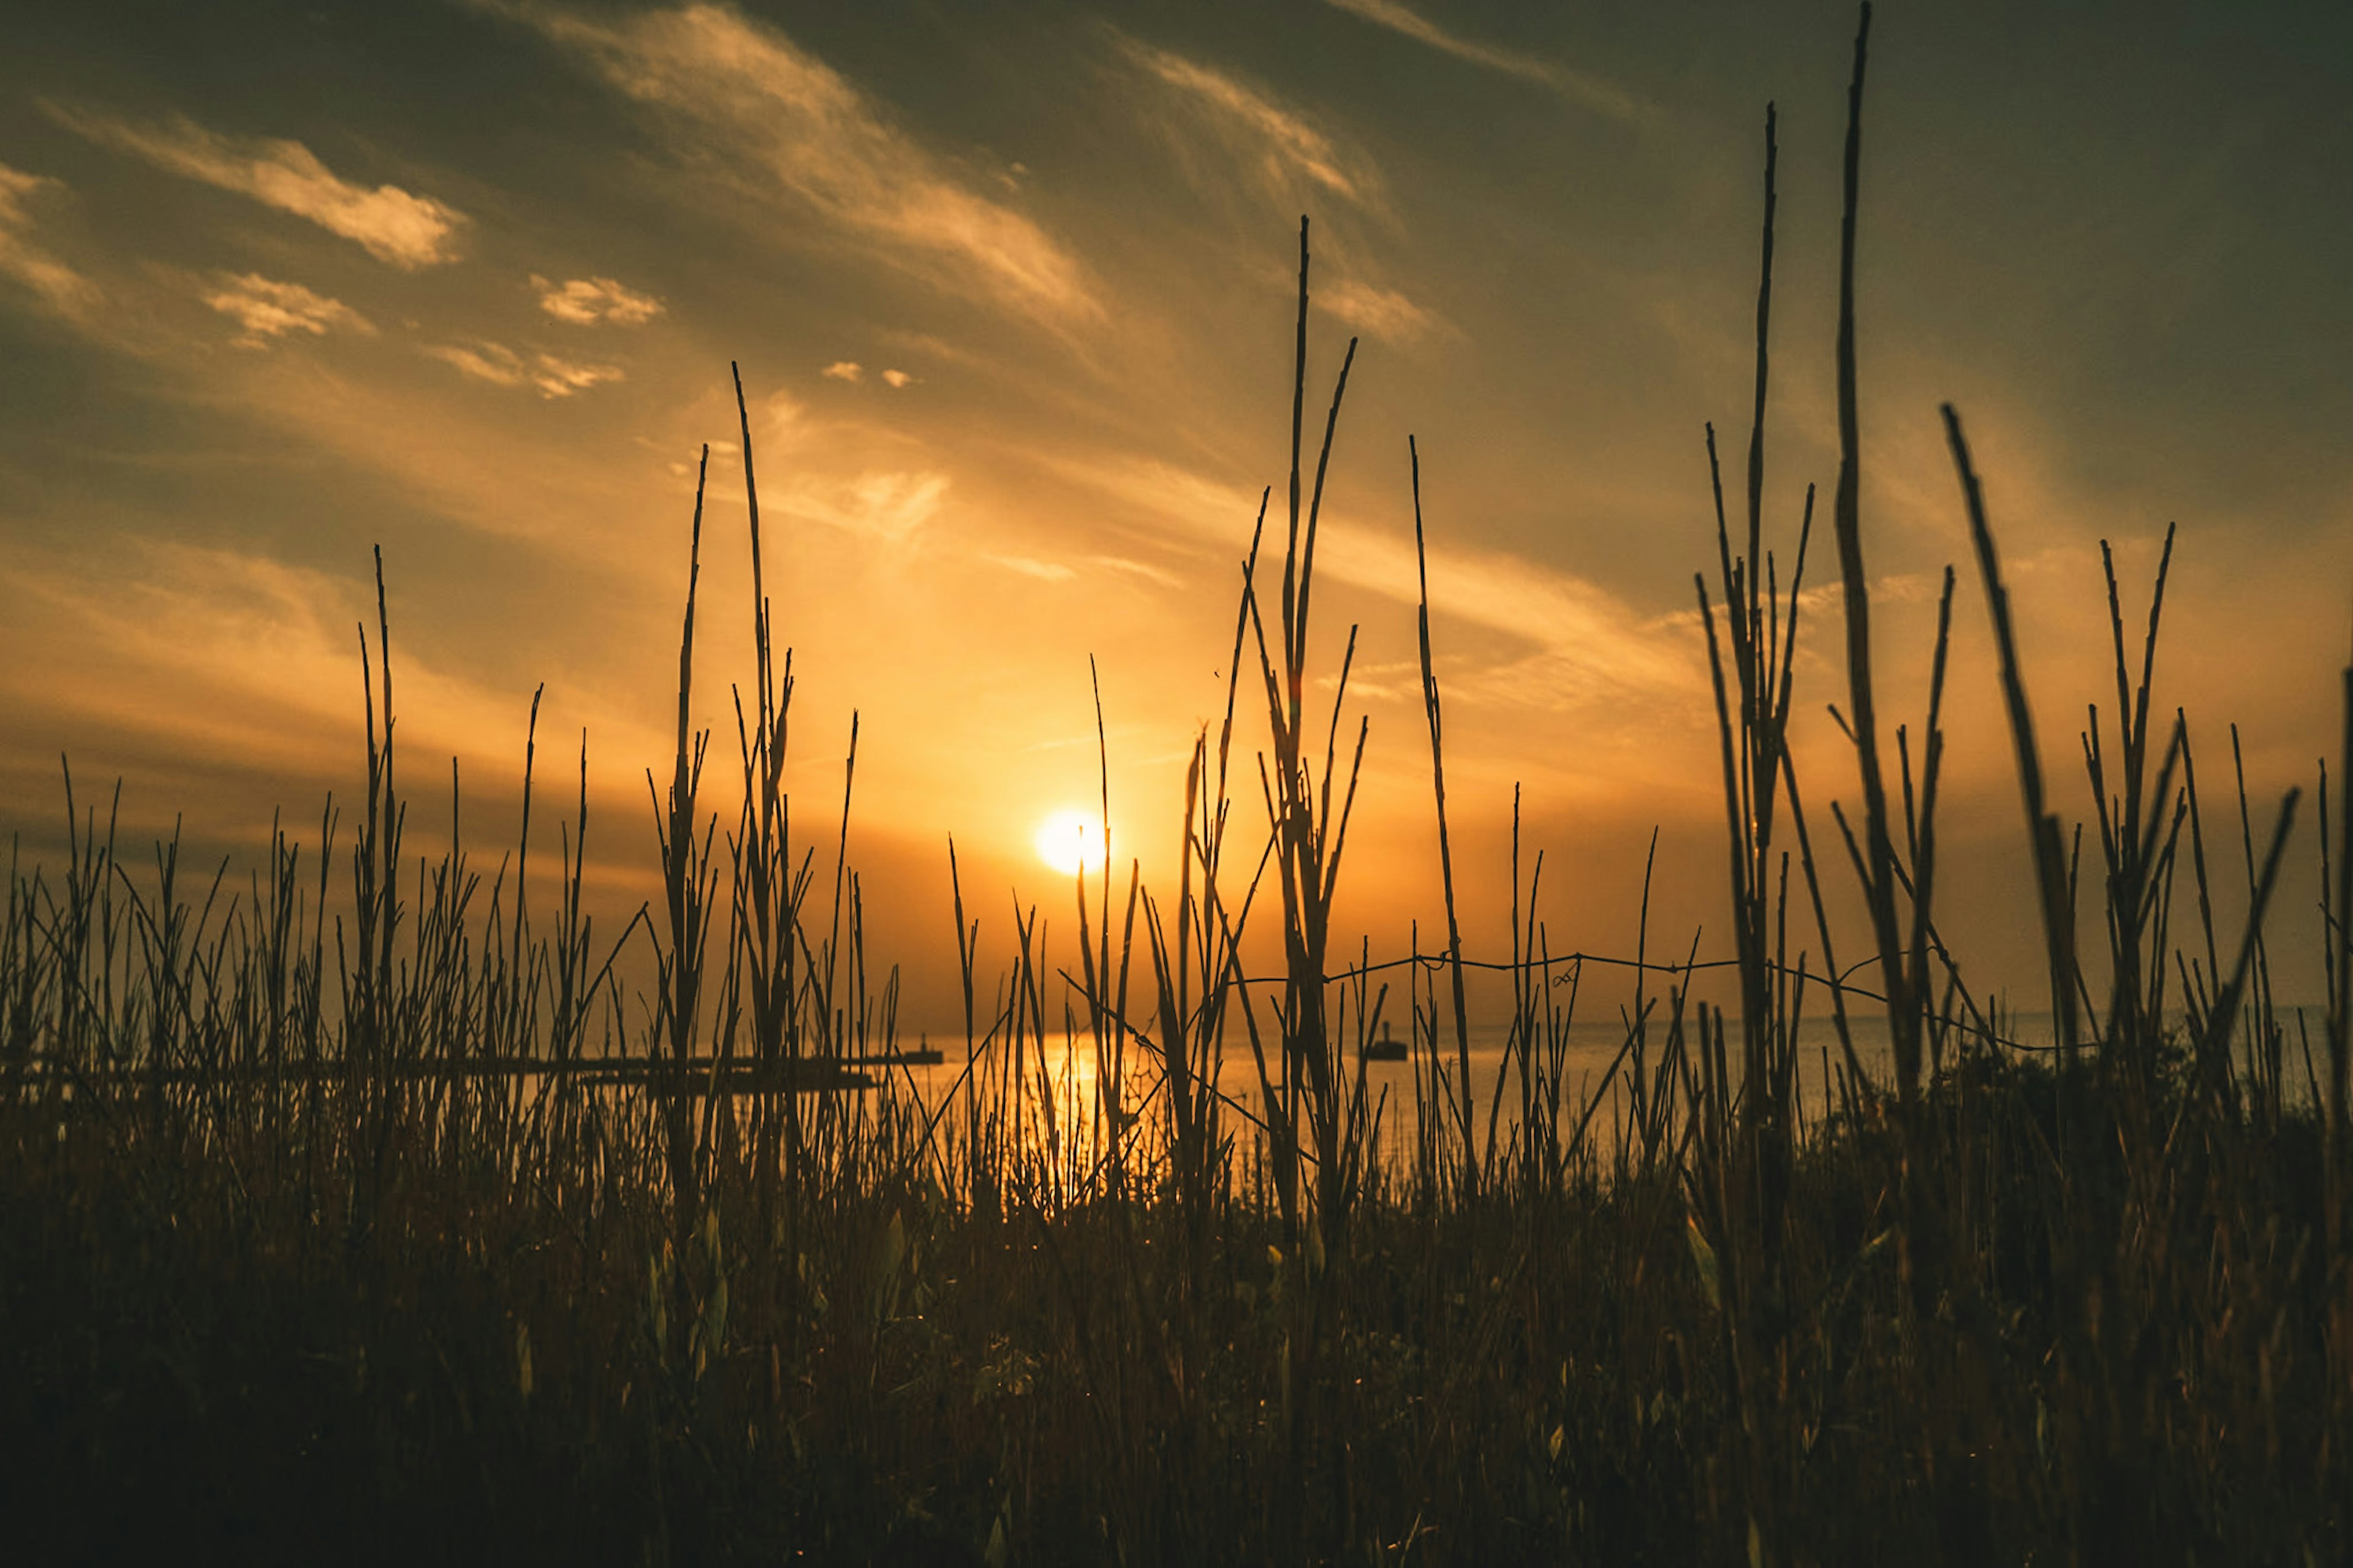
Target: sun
{"points": [[1070, 842]]}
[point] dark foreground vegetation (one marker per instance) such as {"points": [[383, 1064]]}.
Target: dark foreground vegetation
{"points": [[314, 1240]]}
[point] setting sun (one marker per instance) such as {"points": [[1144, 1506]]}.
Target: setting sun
{"points": [[1070, 842]]}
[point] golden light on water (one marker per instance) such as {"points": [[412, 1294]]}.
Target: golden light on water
{"points": [[1070, 842]]}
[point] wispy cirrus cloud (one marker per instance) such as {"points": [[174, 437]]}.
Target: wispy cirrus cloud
{"points": [[587, 301], [889, 506], [1031, 566], [561, 378], [1383, 312], [1064, 571], [1159, 575], [269, 309], [502, 366], [394, 225], [214, 653], [1228, 131], [59, 286], [493, 362], [1278, 145], [741, 94], [1585, 645], [1584, 89], [859, 477]]}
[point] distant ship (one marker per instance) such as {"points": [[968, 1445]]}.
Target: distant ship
{"points": [[1388, 1048]]}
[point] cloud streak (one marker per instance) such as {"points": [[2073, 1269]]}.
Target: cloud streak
{"points": [[1583, 88], [222, 653], [892, 507], [1029, 566], [502, 367], [269, 309], [587, 301], [64, 290], [1589, 645], [1383, 312], [391, 225], [744, 95], [1279, 144]]}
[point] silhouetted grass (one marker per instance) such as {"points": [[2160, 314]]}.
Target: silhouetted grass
{"points": [[333, 1222]]}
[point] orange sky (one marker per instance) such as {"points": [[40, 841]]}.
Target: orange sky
{"points": [[1012, 293]]}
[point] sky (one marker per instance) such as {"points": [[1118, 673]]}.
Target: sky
{"points": [[1012, 289]]}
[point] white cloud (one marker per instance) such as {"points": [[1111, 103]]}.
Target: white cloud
{"points": [[408, 231], [502, 367], [898, 378], [268, 309], [843, 370], [1581, 88], [744, 95], [1279, 144], [585, 301], [63, 289]]}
